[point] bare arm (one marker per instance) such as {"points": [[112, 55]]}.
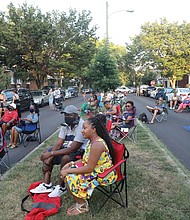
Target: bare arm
{"points": [[57, 151], [129, 118]]}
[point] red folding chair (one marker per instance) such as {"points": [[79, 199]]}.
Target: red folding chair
{"points": [[4, 154], [115, 191]]}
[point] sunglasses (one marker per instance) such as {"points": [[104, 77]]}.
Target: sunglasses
{"points": [[128, 106]]}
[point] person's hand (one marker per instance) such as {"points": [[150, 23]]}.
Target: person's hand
{"points": [[64, 173], [66, 166], [45, 155]]}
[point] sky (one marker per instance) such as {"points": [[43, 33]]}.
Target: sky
{"points": [[121, 24]]}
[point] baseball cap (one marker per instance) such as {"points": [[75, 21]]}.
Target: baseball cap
{"points": [[13, 105], [70, 109]]}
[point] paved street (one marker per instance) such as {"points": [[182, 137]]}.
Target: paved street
{"points": [[170, 132]]}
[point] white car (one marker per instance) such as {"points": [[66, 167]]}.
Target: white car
{"points": [[40, 97], [124, 89], [181, 93], [154, 92]]}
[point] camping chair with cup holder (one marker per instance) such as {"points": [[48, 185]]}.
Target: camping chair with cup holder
{"points": [[117, 191], [25, 137], [161, 116], [118, 133]]}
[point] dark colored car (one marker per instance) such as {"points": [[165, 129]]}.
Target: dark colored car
{"points": [[146, 91], [162, 92], [25, 97], [74, 93]]}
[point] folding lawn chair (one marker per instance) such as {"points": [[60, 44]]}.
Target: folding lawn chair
{"points": [[129, 133], [161, 116], [116, 192], [4, 154], [30, 136], [118, 133]]}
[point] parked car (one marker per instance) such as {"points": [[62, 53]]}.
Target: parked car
{"points": [[181, 93], [25, 97], [86, 91], [163, 92], [67, 94], [142, 88], [154, 92], [74, 92], [133, 89], [146, 91], [40, 97], [47, 88], [124, 89]]}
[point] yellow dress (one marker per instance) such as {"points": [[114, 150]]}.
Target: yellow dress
{"points": [[82, 185]]}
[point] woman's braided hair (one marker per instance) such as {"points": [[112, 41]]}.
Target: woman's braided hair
{"points": [[98, 122]]}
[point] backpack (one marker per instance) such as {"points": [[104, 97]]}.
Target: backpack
{"points": [[43, 206], [143, 117]]}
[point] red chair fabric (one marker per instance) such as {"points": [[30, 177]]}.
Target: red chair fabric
{"points": [[121, 155]]}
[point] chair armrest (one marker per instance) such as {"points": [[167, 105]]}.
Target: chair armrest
{"points": [[105, 173]]}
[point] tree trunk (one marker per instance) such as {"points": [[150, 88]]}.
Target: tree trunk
{"points": [[172, 82]]}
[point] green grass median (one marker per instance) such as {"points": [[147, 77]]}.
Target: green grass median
{"points": [[158, 185]]}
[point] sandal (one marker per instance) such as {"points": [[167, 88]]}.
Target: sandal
{"points": [[9, 145], [77, 208]]}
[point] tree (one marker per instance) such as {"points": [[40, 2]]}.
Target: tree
{"points": [[80, 46], [5, 78], [52, 43], [165, 47], [103, 70]]}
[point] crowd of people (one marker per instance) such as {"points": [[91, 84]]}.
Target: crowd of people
{"points": [[89, 140], [11, 120]]}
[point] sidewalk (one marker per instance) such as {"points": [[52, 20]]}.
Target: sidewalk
{"points": [[158, 185]]}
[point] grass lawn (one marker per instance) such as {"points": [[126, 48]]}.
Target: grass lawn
{"points": [[158, 187]]}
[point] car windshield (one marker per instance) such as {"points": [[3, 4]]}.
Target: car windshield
{"points": [[184, 90], [168, 90], [9, 94], [36, 93]]}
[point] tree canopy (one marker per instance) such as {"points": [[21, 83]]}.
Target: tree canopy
{"points": [[165, 47], [103, 70], [40, 44]]}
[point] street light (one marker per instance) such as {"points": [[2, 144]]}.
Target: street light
{"points": [[107, 18]]}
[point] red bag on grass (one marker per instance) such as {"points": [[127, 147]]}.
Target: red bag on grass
{"points": [[43, 205]]}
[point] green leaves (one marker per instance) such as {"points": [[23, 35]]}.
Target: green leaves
{"points": [[41, 44], [164, 45]]}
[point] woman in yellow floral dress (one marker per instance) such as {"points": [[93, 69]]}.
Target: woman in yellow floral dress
{"points": [[99, 154]]}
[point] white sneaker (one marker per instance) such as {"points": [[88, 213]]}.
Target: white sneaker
{"points": [[171, 108], [42, 188], [58, 191]]}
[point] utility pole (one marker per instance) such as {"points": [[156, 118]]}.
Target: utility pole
{"points": [[107, 36], [107, 19]]}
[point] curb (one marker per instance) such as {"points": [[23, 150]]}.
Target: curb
{"points": [[24, 158]]}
